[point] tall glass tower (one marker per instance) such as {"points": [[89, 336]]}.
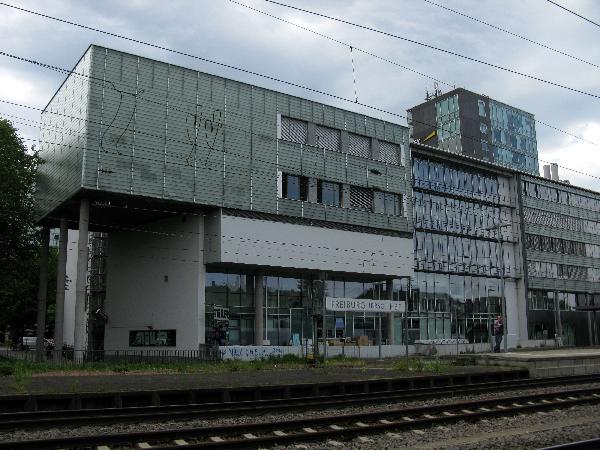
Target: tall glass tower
{"points": [[473, 125]]}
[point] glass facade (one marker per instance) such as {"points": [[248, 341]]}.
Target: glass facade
{"points": [[448, 124], [453, 306], [455, 180], [562, 196], [289, 306], [512, 137], [561, 246], [458, 262]]}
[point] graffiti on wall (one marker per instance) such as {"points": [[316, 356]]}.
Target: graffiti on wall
{"points": [[250, 352]]}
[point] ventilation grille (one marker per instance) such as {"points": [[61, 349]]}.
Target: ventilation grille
{"points": [[361, 198], [389, 153], [293, 130], [328, 138], [359, 146]]}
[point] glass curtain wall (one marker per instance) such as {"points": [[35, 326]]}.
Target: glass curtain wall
{"points": [[458, 262], [448, 306], [289, 305]]}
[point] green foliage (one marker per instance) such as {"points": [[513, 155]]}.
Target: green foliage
{"points": [[19, 241], [344, 361]]}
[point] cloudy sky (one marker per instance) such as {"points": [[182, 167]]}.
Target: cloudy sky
{"points": [[227, 32]]}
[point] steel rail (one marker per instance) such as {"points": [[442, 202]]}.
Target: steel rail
{"points": [[588, 444], [58, 418], [320, 428]]}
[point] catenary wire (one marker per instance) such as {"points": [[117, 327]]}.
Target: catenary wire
{"points": [[475, 139], [493, 199], [497, 200], [532, 41], [574, 13], [346, 44], [463, 234], [439, 49], [382, 58]]}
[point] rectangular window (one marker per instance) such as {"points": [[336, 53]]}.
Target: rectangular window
{"points": [[389, 153], [361, 198], [359, 145], [387, 203], [328, 138], [329, 193], [481, 107], [483, 129], [295, 187], [293, 130]]}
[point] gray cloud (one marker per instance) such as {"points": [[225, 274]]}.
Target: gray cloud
{"points": [[223, 31]]}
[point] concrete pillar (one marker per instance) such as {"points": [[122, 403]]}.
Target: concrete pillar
{"points": [[81, 285], [375, 148], [259, 297], [42, 292], [61, 278], [389, 288]]}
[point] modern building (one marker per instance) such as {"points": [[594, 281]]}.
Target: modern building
{"points": [[562, 252], [204, 210], [229, 211], [467, 248], [471, 124]]}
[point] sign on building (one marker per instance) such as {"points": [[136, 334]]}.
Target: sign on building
{"points": [[364, 305]]}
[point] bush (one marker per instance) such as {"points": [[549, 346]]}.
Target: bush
{"points": [[6, 369]]}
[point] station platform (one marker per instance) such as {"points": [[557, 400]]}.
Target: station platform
{"points": [[547, 363]]}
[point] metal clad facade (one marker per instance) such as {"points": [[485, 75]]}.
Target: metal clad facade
{"points": [[64, 140], [163, 131], [556, 219]]}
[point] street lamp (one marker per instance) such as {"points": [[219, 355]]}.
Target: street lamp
{"points": [[497, 227]]}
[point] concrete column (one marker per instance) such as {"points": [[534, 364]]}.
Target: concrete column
{"points": [[61, 278], [81, 285], [42, 292], [345, 141], [389, 287], [311, 138], [375, 148], [259, 297]]}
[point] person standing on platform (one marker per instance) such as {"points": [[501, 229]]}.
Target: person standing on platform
{"points": [[498, 333]]}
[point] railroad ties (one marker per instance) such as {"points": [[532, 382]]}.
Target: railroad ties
{"points": [[332, 429]]}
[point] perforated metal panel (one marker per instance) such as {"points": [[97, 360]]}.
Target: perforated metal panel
{"points": [[359, 146], [389, 153], [293, 130], [361, 198], [328, 138]]}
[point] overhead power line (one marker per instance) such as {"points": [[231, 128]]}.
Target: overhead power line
{"points": [[252, 72], [574, 13], [547, 47], [382, 58], [68, 72], [439, 49], [346, 44]]}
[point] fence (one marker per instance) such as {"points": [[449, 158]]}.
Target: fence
{"points": [[76, 357]]}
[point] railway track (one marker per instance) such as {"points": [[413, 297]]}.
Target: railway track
{"points": [[338, 427], [70, 418]]}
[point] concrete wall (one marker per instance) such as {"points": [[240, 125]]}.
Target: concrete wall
{"points": [[69, 317], [252, 241], [156, 281], [249, 353]]}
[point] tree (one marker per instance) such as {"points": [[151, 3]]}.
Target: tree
{"points": [[19, 240]]}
